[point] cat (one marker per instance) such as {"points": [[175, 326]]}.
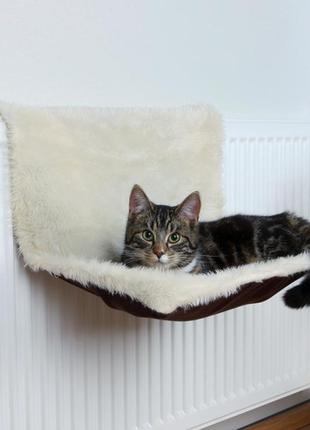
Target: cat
{"points": [[173, 238]]}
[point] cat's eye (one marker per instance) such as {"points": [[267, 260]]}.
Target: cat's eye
{"points": [[147, 235], [174, 238]]}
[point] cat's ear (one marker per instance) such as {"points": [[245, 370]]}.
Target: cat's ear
{"points": [[138, 201], [190, 207]]}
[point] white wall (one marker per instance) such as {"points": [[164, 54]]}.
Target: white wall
{"points": [[249, 58]]}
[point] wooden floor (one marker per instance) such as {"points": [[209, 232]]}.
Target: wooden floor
{"points": [[297, 418]]}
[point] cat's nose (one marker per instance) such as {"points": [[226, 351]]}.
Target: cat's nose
{"points": [[159, 253], [158, 250]]}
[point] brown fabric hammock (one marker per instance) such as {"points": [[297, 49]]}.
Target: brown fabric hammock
{"points": [[253, 292]]}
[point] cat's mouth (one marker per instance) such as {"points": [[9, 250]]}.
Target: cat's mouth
{"points": [[164, 259], [162, 266], [162, 262]]}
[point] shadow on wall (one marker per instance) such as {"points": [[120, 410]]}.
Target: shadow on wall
{"points": [[73, 311]]}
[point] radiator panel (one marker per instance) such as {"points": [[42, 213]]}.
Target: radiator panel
{"points": [[69, 362]]}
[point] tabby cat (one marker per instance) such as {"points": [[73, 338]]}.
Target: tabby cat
{"points": [[171, 237]]}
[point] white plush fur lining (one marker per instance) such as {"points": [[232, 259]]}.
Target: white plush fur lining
{"points": [[164, 291], [71, 173]]}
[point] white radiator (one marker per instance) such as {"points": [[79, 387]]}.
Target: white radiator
{"points": [[67, 362]]}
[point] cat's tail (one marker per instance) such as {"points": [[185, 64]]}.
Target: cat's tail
{"points": [[299, 296]]}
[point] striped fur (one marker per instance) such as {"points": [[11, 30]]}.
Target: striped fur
{"points": [[208, 246]]}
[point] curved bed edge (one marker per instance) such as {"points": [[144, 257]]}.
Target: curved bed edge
{"points": [[250, 293]]}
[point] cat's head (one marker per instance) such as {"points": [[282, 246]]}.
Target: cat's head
{"points": [[159, 235]]}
